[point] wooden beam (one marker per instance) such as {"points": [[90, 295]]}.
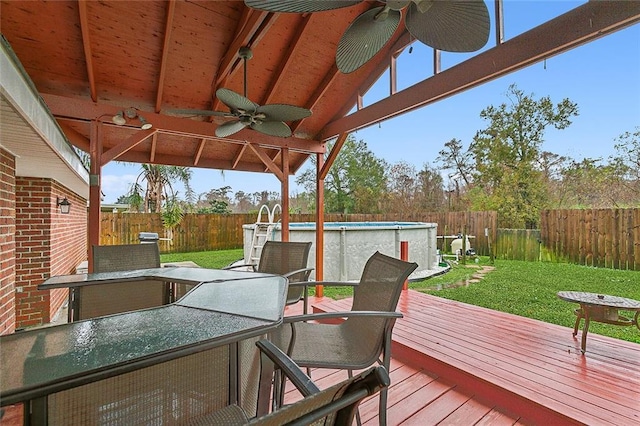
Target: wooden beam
{"points": [[201, 145], [331, 158], [64, 108], [273, 167], [284, 194], [238, 156], [254, 27], [587, 23], [126, 145], [95, 178], [154, 146], [168, 28], [399, 45], [86, 45], [77, 139], [319, 223]]}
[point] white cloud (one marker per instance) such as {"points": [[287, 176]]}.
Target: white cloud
{"points": [[113, 186]]}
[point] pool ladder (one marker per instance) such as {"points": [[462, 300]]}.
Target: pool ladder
{"points": [[262, 232]]}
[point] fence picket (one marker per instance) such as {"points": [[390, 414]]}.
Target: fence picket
{"points": [[592, 237]]}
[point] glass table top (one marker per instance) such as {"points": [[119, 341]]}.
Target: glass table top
{"points": [[174, 274], [211, 314]]}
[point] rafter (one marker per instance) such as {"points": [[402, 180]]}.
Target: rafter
{"points": [[196, 158], [86, 45], [286, 61], [77, 139], [256, 21], [154, 146], [168, 28], [328, 79]]}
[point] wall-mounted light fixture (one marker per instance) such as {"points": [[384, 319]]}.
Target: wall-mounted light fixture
{"points": [[130, 113], [64, 204]]}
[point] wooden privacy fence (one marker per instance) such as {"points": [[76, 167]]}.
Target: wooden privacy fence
{"points": [[607, 238], [201, 232], [517, 244]]}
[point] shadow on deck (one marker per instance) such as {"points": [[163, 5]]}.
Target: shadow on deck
{"points": [[455, 363]]}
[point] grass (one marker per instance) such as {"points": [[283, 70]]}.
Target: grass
{"points": [[523, 288], [206, 259]]}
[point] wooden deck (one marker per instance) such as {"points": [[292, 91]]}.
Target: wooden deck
{"points": [[455, 363]]}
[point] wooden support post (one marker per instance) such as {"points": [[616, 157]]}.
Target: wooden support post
{"points": [[404, 255]]}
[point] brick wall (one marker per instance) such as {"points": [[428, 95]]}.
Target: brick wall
{"points": [[47, 243], [7, 242], [68, 240]]}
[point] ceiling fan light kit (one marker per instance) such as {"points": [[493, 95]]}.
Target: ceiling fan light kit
{"points": [[130, 113], [450, 26], [119, 119]]}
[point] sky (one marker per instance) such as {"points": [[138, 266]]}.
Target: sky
{"points": [[601, 77]]}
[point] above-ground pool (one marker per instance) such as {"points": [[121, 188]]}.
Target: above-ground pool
{"points": [[348, 245]]}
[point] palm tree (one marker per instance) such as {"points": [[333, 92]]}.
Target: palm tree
{"points": [[159, 190]]}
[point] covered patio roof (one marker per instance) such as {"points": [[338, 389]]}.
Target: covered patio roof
{"points": [[90, 60]]}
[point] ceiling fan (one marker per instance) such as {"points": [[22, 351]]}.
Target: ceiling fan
{"points": [[267, 119], [448, 25]]}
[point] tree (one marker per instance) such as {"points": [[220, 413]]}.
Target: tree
{"points": [[402, 188], [590, 184], [355, 183], [159, 186], [507, 156], [430, 190], [456, 161], [627, 161]]}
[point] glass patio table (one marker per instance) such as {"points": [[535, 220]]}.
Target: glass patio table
{"points": [[190, 356], [188, 276]]}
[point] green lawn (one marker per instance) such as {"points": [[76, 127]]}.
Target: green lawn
{"points": [[522, 288]]}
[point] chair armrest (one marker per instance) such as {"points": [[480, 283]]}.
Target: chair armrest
{"points": [[337, 283], [247, 265], [290, 369], [306, 271], [324, 283], [345, 314]]}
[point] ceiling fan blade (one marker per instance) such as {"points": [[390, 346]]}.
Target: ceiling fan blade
{"points": [[299, 6], [227, 129], [282, 112], [365, 37], [451, 26], [203, 112], [235, 101], [272, 128]]}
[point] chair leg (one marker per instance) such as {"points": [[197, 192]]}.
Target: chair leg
{"points": [[382, 411]]}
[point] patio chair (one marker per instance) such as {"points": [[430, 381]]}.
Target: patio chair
{"points": [[288, 259], [335, 405], [364, 337], [115, 297]]}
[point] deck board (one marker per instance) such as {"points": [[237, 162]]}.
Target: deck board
{"points": [[517, 369]]}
